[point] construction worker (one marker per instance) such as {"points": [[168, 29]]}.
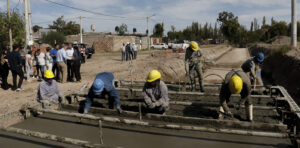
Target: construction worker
{"points": [[49, 95], [252, 65], [102, 85], [155, 93], [236, 82], [192, 63]]}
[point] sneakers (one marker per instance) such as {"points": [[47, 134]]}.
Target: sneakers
{"points": [[19, 89]]}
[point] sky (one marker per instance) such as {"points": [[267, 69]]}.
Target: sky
{"points": [[180, 13]]}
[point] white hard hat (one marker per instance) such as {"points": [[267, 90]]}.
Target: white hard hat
{"points": [[127, 42]]}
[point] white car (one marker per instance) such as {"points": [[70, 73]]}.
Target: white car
{"points": [[159, 46], [181, 44]]}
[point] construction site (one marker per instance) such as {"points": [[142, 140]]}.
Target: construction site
{"points": [[202, 80]]}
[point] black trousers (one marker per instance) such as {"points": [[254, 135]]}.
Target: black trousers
{"points": [[4, 70], [70, 70], [17, 72], [76, 67], [55, 69], [83, 58]]}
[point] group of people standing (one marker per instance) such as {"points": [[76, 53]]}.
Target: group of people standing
{"points": [[129, 51], [65, 62]]}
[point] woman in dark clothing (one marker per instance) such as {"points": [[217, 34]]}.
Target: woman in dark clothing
{"points": [[4, 69], [77, 63]]}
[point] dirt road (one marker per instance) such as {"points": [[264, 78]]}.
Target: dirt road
{"points": [[170, 64]]}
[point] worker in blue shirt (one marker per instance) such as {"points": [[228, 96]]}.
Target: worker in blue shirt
{"points": [[102, 85]]}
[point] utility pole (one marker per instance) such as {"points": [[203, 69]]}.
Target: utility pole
{"points": [[148, 33], [80, 29], [294, 23], [148, 39], [10, 32], [26, 23], [30, 24]]}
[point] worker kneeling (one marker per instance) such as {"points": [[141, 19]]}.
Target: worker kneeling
{"points": [[155, 93], [49, 95], [102, 85], [236, 82]]}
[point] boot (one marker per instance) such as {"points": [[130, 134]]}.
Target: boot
{"points": [[221, 113], [201, 86]]}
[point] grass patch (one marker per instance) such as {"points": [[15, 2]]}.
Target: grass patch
{"points": [[281, 49]]}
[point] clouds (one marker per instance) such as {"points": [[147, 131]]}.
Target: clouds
{"points": [[180, 13]]}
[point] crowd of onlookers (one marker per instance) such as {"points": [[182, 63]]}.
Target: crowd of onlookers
{"points": [[129, 51], [65, 62]]}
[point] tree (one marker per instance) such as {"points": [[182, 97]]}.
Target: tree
{"points": [[264, 21], [229, 25], [158, 30], [278, 29], [255, 24], [53, 37], [122, 29], [67, 28], [36, 28], [251, 28], [134, 30], [117, 29], [17, 27]]}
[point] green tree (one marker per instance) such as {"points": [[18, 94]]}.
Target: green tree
{"points": [[229, 26], [122, 29], [67, 28], [36, 28], [278, 29], [264, 21], [158, 30], [53, 37], [17, 27]]}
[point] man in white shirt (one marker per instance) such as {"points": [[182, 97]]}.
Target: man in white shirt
{"points": [[61, 58], [69, 53], [134, 51]]}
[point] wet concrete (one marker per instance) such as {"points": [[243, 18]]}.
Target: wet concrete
{"points": [[11, 140], [136, 137]]}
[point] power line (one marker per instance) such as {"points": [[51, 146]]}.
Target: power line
{"points": [[96, 13]]}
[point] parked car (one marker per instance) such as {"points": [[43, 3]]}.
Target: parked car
{"points": [[179, 44], [159, 46]]}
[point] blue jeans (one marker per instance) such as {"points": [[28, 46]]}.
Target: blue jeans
{"points": [[28, 70], [123, 56], [134, 54]]}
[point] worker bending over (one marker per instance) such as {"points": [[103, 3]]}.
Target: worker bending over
{"points": [[155, 93], [193, 63], [49, 95], [102, 85], [251, 66], [236, 82]]}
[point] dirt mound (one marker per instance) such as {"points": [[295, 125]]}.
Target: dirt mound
{"points": [[282, 40]]}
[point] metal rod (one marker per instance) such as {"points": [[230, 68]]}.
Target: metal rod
{"points": [[100, 132], [140, 111]]}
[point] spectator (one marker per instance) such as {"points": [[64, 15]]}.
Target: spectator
{"points": [[77, 63], [61, 58], [134, 51], [4, 69], [53, 55], [42, 62], [82, 51], [15, 63], [28, 64], [127, 51], [69, 53], [35, 63], [49, 60], [123, 49], [23, 54]]}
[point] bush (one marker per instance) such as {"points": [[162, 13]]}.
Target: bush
{"points": [[52, 37], [281, 49]]}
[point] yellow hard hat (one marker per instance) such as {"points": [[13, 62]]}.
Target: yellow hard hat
{"points": [[153, 75], [49, 74], [235, 84], [194, 45]]}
